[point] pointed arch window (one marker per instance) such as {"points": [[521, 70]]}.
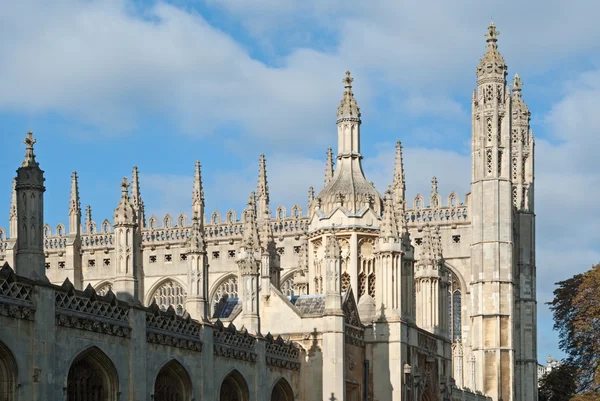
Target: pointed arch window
{"points": [[287, 287], [228, 289], [454, 308], [170, 293]]}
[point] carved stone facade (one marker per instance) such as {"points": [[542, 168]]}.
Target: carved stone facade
{"points": [[368, 296]]}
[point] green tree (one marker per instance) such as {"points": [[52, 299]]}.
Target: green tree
{"points": [[576, 309], [559, 384]]}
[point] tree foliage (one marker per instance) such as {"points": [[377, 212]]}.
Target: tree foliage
{"points": [[576, 309]]}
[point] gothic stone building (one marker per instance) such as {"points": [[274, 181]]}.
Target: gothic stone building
{"points": [[368, 296]]}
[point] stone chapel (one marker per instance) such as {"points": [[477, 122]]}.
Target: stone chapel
{"points": [[361, 295]]}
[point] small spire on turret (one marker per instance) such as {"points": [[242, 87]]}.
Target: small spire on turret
{"points": [[399, 178], [348, 108], [426, 254], [492, 63], [329, 166], [74, 206], [389, 227], [250, 239], [311, 194], [13, 210], [263, 188], [434, 186], [198, 194], [136, 198], [517, 85], [125, 213], [29, 155], [88, 219]]}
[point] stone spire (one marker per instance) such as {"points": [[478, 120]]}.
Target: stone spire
{"points": [[249, 263], [198, 195], [399, 186], [311, 195], [29, 188], [329, 166], [347, 186], [522, 144], [263, 189], [389, 227], [74, 207], [250, 237], [492, 64], [348, 108], [196, 302], [136, 199], [12, 218], [88, 219]]}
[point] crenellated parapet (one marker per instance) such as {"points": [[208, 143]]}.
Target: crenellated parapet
{"points": [[451, 212], [281, 353], [170, 329], [229, 342]]}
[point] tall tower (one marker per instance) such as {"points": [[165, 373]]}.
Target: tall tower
{"points": [[29, 189], [492, 278], [249, 264], [73, 250], [522, 152], [196, 302], [127, 280]]}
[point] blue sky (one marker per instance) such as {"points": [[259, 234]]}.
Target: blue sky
{"points": [[106, 85]]}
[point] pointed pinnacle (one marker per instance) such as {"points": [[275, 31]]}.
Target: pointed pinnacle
{"points": [[75, 203]]}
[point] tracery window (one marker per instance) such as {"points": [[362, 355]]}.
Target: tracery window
{"points": [[345, 281], [228, 289], [287, 287], [454, 308], [170, 293]]}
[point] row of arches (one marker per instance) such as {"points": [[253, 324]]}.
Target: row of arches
{"points": [[93, 377]]}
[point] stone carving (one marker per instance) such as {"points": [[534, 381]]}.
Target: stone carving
{"points": [[170, 329], [281, 353], [231, 343]]}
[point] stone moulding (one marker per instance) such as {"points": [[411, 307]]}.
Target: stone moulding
{"points": [[232, 343], [88, 311], [282, 354], [169, 329], [354, 335], [15, 296]]}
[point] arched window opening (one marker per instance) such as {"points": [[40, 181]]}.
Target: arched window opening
{"points": [[454, 308], [8, 374], [282, 391], [234, 388], [92, 377], [228, 289], [287, 287], [173, 383], [170, 293]]}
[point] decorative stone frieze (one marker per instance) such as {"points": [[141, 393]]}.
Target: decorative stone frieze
{"points": [[231, 343], [167, 328], [282, 354]]}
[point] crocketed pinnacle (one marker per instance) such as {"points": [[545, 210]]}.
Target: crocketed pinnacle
{"points": [[389, 228], [399, 179], [250, 239], [492, 63], [29, 154], [348, 108], [88, 219], [303, 254], [427, 252], [198, 193], [74, 201], [13, 202], [329, 166], [262, 189]]}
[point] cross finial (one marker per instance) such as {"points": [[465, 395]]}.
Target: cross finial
{"points": [[125, 188], [434, 185], [29, 155], [347, 81]]}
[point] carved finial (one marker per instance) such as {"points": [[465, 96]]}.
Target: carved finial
{"points": [[29, 155], [517, 85], [125, 189], [434, 186], [399, 178], [329, 166], [348, 108], [492, 35], [311, 194], [198, 194], [88, 219], [250, 234], [75, 204]]}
